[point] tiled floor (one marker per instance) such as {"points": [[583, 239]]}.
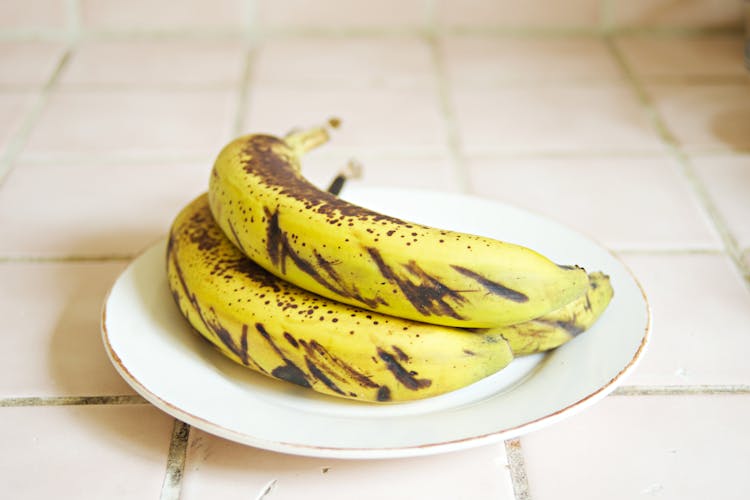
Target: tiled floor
{"points": [[636, 447], [663, 212], [51, 315], [218, 467], [89, 452], [699, 338], [114, 210], [28, 64], [144, 123], [640, 141], [141, 63], [489, 61], [726, 178]]}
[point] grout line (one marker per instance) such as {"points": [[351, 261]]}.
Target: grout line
{"points": [[112, 159], [76, 30], [267, 489], [86, 159], [252, 34], [13, 259], [517, 466], [668, 251], [522, 31], [244, 92], [176, 456], [501, 83], [135, 33], [73, 20], [680, 390], [34, 35], [606, 16], [450, 124], [72, 400], [699, 80], [17, 143], [414, 30], [430, 23], [251, 26], [677, 31], [79, 87], [673, 147]]}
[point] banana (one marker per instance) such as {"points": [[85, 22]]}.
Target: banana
{"points": [[557, 327], [287, 333], [354, 255]]}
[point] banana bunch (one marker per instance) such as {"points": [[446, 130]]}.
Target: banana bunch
{"points": [[280, 330], [299, 285]]}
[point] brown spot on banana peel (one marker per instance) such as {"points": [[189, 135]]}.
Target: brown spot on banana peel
{"points": [[320, 375], [186, 291], [384, 394], [315, 350], [236, 237], [406, 378], [428, 296], [493, 286], [291, 373], [402, 356], [266, 158], [288, 371], [291, 340], [280, 249], [213, 326], [226, 338], [198, 234], [571, 327]]}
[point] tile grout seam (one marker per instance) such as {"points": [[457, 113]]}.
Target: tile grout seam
{"points": [[517, 468], [251, 36], [74, 25], [176, 459], [499, 84], [451, 130], [682, 390], [731, 246], [69, 258], [189, 33], [127, 399], [243, 96], [160, 159], [22, 135]]}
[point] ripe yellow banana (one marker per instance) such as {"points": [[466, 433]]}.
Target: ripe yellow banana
{"points": [[350, 254], [282, 331], [557, 327]]}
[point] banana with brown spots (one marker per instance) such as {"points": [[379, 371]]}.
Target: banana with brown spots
{"points": [[354, 255]]}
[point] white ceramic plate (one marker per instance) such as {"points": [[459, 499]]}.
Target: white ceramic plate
{"points": [[156, 351]]}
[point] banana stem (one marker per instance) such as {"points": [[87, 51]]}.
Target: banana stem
{"points": [[303, 141], [352, 170]]}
